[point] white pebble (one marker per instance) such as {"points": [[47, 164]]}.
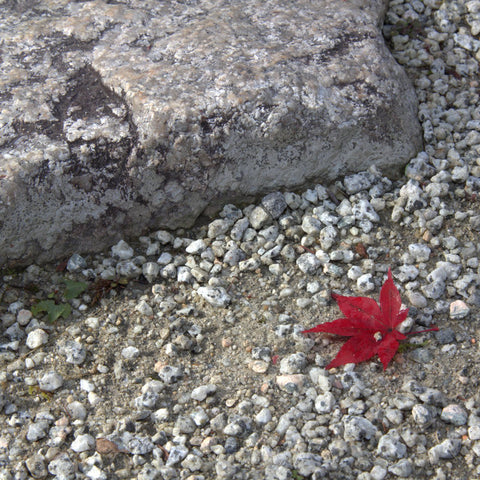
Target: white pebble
{"points": [[50, 381], [130, 353], [83, 443], [36, 338], [459, 309], [216, 296], [122, 250]]}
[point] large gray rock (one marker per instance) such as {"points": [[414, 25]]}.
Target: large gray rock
{"points": [[120, 117]]}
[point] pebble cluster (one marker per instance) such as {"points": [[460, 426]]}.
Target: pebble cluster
{"points": [[191, 364]]}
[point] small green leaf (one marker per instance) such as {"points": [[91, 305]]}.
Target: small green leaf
{"points": [[74, 289], [296, 475], [53, 310], [63, 310], [41, 307]]}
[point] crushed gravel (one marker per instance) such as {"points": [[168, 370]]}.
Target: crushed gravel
{"points": [[184, 358]]}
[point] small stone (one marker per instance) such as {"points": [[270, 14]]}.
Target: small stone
{"points": [[327, 237], [432, 396], [234, 256], [83, 443], [324, 403], [216, 296], [14, 332], [294, 363], [144, 308], [454, 414], [185, 424], [164, 259], [449, 448], [184, 274], [416, 299], [308, 263], [77, 411], [86, 385], [274, 203], [128, 269], [138, 445], [310, 195], [378, 472], [390, 446], [37, 430], [358, 428], [423, 416], [307, 464], [262, 353], [24, 317], [62, 467], [365, 283], [434, 290], [169, 374], [74, 352], [258, 366], [311, 225], [259, 218], [203, 391], [150, 271], [445, 336], [459, 309], [164, 237], [404, 402], [293, 200], [36, 466], [407, 273], [304, 302], [225, 470], [122, 250], [357, 182], [237, 231], [50, 381], [193, 463], [263, 417], [233, 429], [290, 383], [196, 247], [199, 416], [96, 473], [218, 227], [76, 263], [474, 432], [231, 212], [36, 338], [420, 252], [403, 468], [161, 415], [130, 353], [363, 210]]}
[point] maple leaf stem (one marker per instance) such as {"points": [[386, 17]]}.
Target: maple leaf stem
{"points": [[433, 329]]}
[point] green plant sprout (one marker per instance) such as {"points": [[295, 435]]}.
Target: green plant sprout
{"points": [[55, 309]]}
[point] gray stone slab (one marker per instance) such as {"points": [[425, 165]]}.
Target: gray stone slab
{"points": [[118, 117]]}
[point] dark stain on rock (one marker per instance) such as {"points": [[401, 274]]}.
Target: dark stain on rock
{"points": [[343, 44]]}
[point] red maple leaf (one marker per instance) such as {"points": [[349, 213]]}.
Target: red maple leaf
{"points": [[372, 327]]}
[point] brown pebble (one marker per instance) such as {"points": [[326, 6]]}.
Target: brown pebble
{"points": [[264, 388], [427, 236]]}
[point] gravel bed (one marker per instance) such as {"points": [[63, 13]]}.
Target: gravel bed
{"points": [[184, 358]]}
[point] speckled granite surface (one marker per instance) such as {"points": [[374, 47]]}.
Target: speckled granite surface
{"points": [[119, 117]]}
